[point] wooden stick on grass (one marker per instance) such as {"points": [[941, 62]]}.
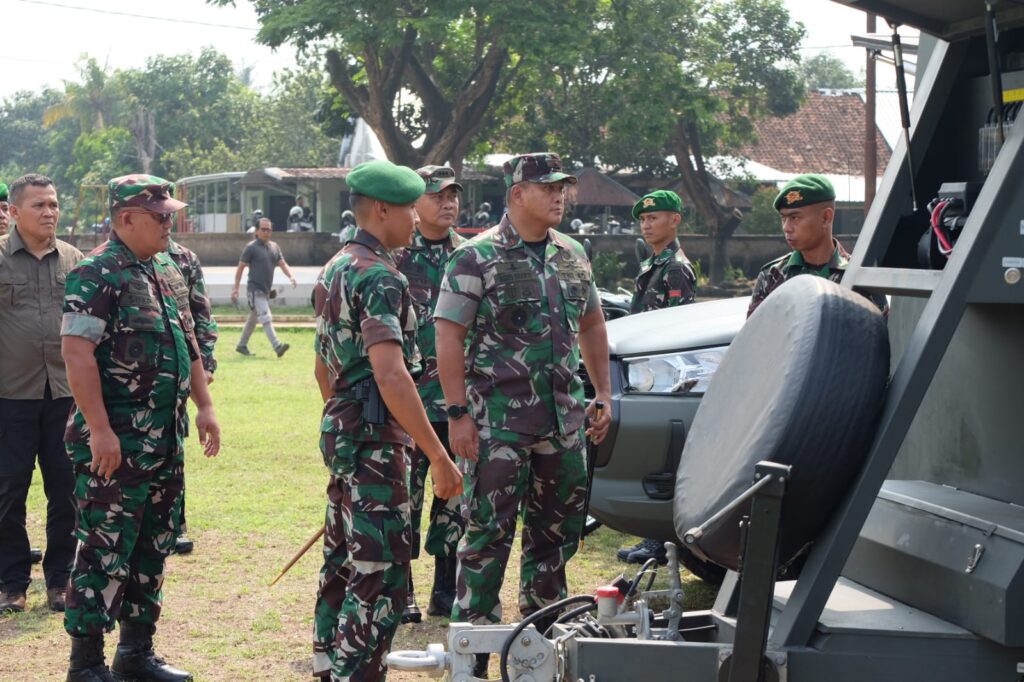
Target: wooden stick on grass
{"points": [[298, 555]]}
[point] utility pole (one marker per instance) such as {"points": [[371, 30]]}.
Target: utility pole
{"points": [[870, 134]]}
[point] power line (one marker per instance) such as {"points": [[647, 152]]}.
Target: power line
{"points": [[139, 16]]}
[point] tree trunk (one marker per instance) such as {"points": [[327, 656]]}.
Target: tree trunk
{"points": [[142, 126], [721, 222], [374, 103]]}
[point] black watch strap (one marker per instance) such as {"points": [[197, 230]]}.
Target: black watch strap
{"points": [[456, 411]]}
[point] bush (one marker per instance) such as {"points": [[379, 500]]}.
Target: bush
{"points": [[763, 218], [607, 268]]}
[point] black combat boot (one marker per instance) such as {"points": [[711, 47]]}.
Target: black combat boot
{"points": [[135, 660], [442, 599], [411, 614], [87, 664]]}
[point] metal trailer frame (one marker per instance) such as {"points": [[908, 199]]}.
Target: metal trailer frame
{"points": [[820, 628], [824, 626]]}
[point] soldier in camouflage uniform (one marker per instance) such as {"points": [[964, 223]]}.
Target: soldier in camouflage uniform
{"points": [[423, 263], [665, 279], [206, 336], [132, 361], [523, 296], [807, 204], [365, 344]]}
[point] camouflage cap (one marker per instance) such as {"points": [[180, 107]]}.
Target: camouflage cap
{"points": [[804, 190], [658, 200], [541, 167], [3, 191], [438, 178], [143, 191], [383, 180]]}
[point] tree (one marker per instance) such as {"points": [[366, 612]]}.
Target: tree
{"points": [[424, 75], [827, 71], [185, 102], [762, 217], [93, 101], [23, 139], [288, 131], [666, 85]]}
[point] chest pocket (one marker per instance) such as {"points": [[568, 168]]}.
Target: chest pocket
{"points": [[140, 328], [181, 298], [519, 308], [13, 285], [57, 292], [575, 283]]}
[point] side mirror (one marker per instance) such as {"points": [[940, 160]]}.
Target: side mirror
{"points": [[641, 250]]}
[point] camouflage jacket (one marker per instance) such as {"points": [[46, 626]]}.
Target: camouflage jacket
{"points": [[423, 265], [523, 319], [664, 281], [789, 265], [198, 302], [137, 314], [360, 299]]}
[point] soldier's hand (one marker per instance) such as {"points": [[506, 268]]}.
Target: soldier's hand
{"points": [[464, 438], [599, 420], [209, 431], [234, 297], [209, 377], [447, 478], [106, 453]]}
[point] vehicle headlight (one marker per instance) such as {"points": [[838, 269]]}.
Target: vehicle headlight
{"points": [[686, 372]]}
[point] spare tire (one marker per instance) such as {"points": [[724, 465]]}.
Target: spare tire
{"points": [[802, 384]]}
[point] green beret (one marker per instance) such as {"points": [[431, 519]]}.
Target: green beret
{"points": [[658, 200], [385, 181], [804, 190], [3, 191]]}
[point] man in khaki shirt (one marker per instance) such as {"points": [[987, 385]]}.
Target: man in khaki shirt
{"points": [[34, 393]]}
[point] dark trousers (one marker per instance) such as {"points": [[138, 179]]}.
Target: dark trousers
{"points": [[31, 428]]}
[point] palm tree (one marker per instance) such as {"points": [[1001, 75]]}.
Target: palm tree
{"points": [[92, 101]]}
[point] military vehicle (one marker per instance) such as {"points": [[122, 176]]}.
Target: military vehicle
{"points": [[861, 479]]}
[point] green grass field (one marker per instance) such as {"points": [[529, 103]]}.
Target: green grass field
{"points": [[249, 510]]}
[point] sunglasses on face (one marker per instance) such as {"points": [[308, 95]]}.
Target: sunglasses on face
{"points": [[159, 217]]}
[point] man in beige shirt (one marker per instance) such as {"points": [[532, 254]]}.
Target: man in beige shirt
{"points": [[34, 393]]}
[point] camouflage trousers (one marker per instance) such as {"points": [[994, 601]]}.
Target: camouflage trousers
{"points": [[446, 522], [364, 580], [547, 478], [126, 528]]}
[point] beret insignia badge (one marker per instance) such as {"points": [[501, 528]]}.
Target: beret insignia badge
{"points": [[793, 197], [648, 202]]}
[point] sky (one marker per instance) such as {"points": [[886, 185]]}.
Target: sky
{"points": [[43, 39]]}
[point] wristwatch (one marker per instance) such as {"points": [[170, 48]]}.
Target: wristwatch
{"points": [[456, 411]]}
